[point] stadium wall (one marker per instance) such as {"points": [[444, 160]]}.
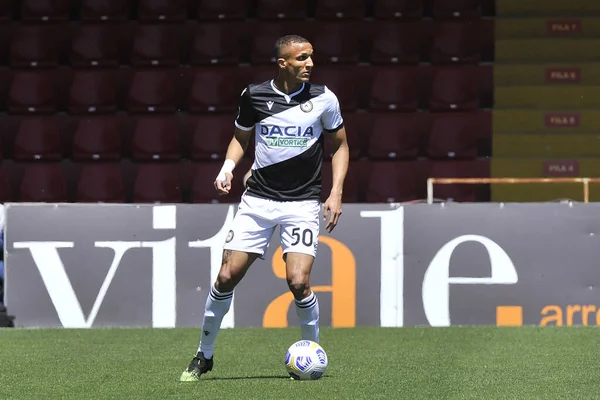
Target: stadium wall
{"points": [[88, 266]]}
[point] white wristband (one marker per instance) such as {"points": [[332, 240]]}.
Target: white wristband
{"points": [[227, 167]]}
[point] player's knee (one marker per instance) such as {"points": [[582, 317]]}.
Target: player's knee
{"points": [[299, 286]]}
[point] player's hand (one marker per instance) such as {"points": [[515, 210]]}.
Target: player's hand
{"points": [[223, 183], [332, 210]]}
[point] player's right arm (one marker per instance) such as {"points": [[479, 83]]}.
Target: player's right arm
{"points": [[244, 125]]}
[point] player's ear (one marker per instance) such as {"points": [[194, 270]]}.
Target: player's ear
{"points": [[281, 62]]}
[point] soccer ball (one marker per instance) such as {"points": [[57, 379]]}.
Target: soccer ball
{"points": [[306, 360]]}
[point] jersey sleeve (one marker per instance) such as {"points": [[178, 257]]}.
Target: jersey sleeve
{"points": [[246, 117], [332, 116]]}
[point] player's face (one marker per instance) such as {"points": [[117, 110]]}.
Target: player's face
{"points": [[297, 61]]}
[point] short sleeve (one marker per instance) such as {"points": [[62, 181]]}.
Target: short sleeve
{"points": [[332, 116], [245, 119]]}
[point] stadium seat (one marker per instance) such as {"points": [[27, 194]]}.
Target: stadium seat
{"points": [[162, 10], [93, 91], [95, 45], [336, 43], [281, 9], [222, 9], [215, 43], [351, 193], [213, 90], [265, 34], [43, 10], [157, 183], [211, 135], [34, 46], [105, 10], [44, 183], [395, 89], [458, 169], [343, 82], [456, 9], [96, 139], [340, 9], [38, 139], [454, 89], [398, 9], [394, 43], [396, 181], [456, 42], [396, 135], [453, 136], [155, 45], [100, 183], [6, 11], [203, 177], [156, 138], [32, 92], [151, 91]]}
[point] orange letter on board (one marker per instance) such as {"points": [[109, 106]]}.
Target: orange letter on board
{"points": [[343, 288]]}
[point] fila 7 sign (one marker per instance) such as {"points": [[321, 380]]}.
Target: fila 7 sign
{"points": [[85, 265]]}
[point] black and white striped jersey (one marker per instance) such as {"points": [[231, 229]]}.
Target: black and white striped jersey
{"points": [[289, 138]]}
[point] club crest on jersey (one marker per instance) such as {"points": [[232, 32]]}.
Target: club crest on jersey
{"points": [[307, 106]]}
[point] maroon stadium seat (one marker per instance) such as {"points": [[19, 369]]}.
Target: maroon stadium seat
{"points": [[281, 9], [157, 183], [105, 10], [342, 81], [152, 91], [95, 45], [97, 139], [396, 181], [215, 43], [453, 135], [456, 42], [222, 9], [156, 138], [336, 43], [34, 46], [395, 89], [43, 182], [211, 135], [340, 9], [93, 91], [453, 9], [454, 89], [155, 45], [6, 191], [395, 43], [213, 90], [32, 92], [44, 10], [396, 135], [162, 10], [398, 9], [38, 139], [100, 183]]}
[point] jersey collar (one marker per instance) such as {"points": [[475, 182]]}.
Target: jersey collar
{"points": [[287, 97]]}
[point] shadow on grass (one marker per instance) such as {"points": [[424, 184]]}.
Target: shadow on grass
{"points": [[251, 377]]}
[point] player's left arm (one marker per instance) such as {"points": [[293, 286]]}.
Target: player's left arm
{"points": [[339, 165], [334, 125]]}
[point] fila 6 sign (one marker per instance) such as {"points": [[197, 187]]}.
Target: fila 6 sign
{"points": [[87, 265]]}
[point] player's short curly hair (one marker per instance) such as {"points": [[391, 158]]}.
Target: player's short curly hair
{"points": [[286, 41]]}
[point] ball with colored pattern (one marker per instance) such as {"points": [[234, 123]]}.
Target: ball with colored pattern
{"points": [[306, 360]]}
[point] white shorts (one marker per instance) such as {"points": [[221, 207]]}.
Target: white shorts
{"points": [[256, 220]]}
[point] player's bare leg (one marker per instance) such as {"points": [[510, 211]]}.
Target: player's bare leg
{"points": [[298, 268], [234, 266]]}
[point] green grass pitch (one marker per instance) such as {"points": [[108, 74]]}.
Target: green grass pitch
{"points": [[364, 363]]}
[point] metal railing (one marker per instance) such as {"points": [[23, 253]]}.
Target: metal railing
{"points": [[473, 181]]}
